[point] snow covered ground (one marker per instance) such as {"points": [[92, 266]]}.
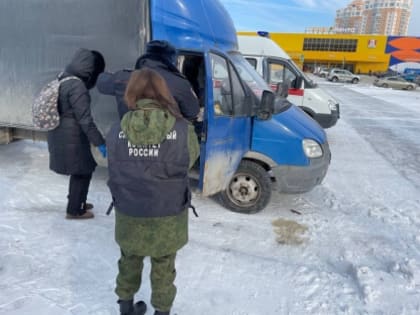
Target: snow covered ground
{"points": [[356, 249]]}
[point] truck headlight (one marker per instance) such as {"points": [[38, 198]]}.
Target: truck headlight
{"points": [[311, 148], [332, 105]]}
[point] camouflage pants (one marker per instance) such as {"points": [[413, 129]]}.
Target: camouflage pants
{"points": [[162, 279]]}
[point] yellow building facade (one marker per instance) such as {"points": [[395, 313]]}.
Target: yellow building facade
{"points": [[357, 53]]}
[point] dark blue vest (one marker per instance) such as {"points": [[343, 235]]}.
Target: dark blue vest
{"points": [[151, 180]]}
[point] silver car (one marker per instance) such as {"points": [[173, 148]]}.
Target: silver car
{"points": [[343, 75], [395, 83], [322, 72]]}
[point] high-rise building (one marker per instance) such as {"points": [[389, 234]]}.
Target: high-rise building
{"points": [[349, 19], [388, 17]]}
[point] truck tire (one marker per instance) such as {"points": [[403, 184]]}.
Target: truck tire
{"points": [[334, 79], [249, 190], [355, 81]]}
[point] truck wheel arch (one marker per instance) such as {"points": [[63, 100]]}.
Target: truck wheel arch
{"points": [[249, 190]]}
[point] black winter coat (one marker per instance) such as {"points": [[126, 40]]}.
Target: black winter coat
{"points": [[69, 143], [180, 88]]}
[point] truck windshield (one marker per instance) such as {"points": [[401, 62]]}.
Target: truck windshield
{"points": [[248, 74]]}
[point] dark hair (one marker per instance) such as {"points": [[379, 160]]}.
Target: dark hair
{"points": [[147, 83]]}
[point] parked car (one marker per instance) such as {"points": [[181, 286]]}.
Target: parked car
{"points": [[395, 83], [411, 74], [411, 77], [343, 75], [388, 73], [322, 72]]}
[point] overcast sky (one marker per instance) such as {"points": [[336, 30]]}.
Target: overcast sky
{"points": [[296, 15]]}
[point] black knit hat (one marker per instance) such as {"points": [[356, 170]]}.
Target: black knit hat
{"points": [[161, 48]]}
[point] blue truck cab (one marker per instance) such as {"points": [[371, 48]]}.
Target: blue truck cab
{"points": [[251, 139], [245, 149]]}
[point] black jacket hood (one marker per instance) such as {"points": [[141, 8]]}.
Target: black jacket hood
{"points": [[86, 65]]}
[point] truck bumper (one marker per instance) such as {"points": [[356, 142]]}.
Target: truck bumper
{"points": [[328, 120], [298, 179]]}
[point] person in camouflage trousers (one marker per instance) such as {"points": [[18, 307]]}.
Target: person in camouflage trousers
{"points": [[149, 155]]}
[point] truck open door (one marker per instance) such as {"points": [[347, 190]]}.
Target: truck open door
{"points": [[227, 125]]}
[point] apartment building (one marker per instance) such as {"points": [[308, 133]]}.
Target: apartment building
{"points": [[349, 19], [387, 17]]}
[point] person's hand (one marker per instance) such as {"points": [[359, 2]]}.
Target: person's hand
{"points": [[200, 115], [102, 149]]}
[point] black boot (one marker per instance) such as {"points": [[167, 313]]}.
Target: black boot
{"points": [[140, 308], [127, 307], [161, 313]]}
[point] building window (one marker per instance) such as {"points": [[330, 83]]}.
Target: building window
{"points": [[329, 44]]}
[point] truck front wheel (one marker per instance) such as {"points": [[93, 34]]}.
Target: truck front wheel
{"points": [[249, 190]]}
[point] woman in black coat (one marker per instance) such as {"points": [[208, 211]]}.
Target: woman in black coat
{"points": [[69, 143]]}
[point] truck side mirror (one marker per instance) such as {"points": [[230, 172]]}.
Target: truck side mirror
{"points": [[297, 83], [283, 89], [267, 105]]}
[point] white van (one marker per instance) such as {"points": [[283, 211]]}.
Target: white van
{"points": [[276, 67]]}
